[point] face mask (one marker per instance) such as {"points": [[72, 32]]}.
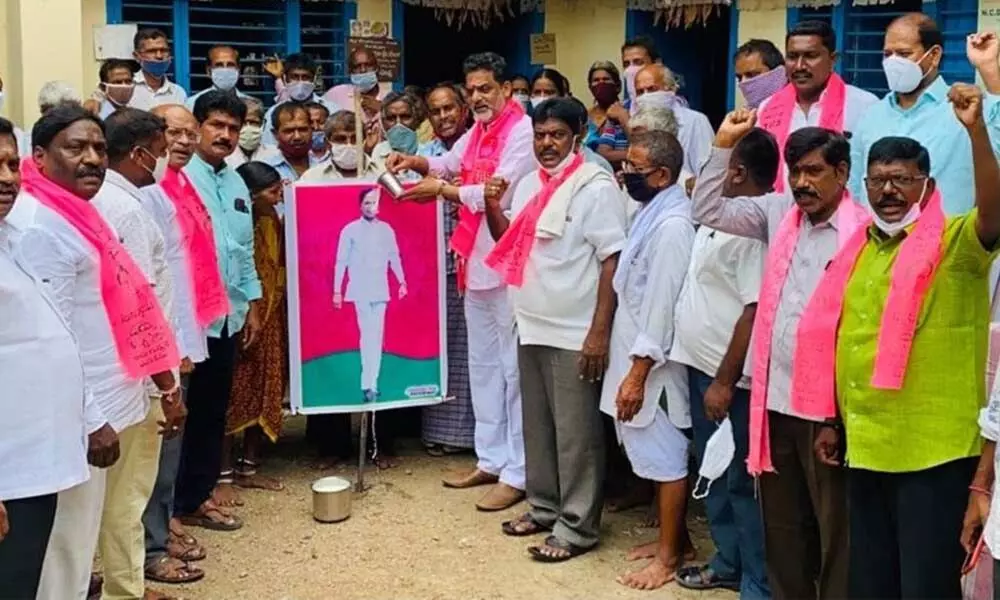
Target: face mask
{"points": [[536, 100], [345, 156], [156, 68], [119, 93], [911, 216], [757, 89], [605, 93], [294, 150], [522, 97], [902, 74], [162, 163], [364, 81], [402, 139], [156, 166], [719, 452], [225, 78], [300, 91], [637, 187], [318, 141], [658, 99], [630, 73], [250, 137], [556, 170]]}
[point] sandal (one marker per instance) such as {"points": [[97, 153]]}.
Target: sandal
{"points": [[173, 571], [435, 450], [570, 550], [185, 538], [176, 548], [515, 528], [703, 577], [203, 518], [247, 478]]}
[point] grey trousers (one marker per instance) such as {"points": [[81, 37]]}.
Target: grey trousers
{"points": [[159, 511], [563, 443]]}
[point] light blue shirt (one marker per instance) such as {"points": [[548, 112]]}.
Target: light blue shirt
{"points": [[190, 101], [228, 202], [932, 122], [268, 127], [288, 175]]}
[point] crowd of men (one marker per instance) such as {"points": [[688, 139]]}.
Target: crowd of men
{"points": [[801, 299]]}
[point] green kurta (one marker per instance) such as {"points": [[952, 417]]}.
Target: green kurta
{"points": [[933, 418]]}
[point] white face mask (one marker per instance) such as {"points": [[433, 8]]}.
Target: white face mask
{"points": [[902, 74], [162, 162], [345, 156], [657, 99], [536, 100], [719, 452], [225, 78], [911, 216], [556, 170]]}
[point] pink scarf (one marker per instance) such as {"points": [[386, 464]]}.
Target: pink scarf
{"points": [[850, 216], [211, 300], [143, 336], [512, 250], [479, 162], [776, 117]]}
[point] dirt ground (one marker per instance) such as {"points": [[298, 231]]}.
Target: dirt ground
{"points": [[408, 539]]}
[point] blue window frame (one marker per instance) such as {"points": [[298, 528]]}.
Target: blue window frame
{"points": [[257, 30]]}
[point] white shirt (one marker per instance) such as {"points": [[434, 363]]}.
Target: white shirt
{"points": [[43, 432], [69, 268], [555, 305], [146, 98], [192, 341], [239, 157], [365, 251], [23, 141], [516, 160], [724, 277], [989, 423], [695, 135]]}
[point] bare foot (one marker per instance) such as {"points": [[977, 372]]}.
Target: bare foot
{"points": [[643, 551], [386, 462], [259, 482], [225, 494], [654, 575], [177, 529], [652, 518], [636, 495]]}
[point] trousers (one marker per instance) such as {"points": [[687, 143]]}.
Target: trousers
{"points": [[22, 552], [160, 509], [564, 444], [371, 324], [493, 382]]}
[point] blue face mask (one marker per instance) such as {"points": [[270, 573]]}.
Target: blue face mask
{"points": [[402, 139], [319, 141], [364, 81], [156, 68]]}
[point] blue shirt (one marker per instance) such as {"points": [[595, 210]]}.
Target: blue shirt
{"points": [[288, 175], [190, 101], [932, 122], [228, 202]]}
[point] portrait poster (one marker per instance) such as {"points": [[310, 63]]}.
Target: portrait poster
{"points": [[366, 299]]}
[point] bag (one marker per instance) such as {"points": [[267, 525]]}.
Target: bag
{"points": [[719, 452], [977, 573]]}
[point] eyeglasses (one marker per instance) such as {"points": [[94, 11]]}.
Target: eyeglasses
{"points": [[192, 136], [628, 167], [898, 181]]}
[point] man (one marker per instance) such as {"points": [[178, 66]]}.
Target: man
{"points": [[99, 276], [152, 86], [343, 155], [402, 114], [917, 106], [907, 341], [508, 155], [450, 426], [249, 146], [220, 117], [293, 133], [815, 95], [117, 86], [223, 69], [43, 442], [644, 392], [713, 321], [760, 71], [299, 79], [654, 86], [190, 248], [135, 146], [637, 53], [362, 66], [798, 493], [365, 249], [558, 255], [319, 150]]}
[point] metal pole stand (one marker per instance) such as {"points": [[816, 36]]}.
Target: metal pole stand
{"points": [[359, 486]]}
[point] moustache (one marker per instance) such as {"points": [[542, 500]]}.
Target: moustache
{"points": [[890, 200], [8, 189], [801, 74], [804, 193], [90, 172], [223, 143]]}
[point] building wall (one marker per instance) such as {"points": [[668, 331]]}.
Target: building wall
{"points": [[585, 31]]}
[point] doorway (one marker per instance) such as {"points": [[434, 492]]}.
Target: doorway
{"points": [[433, 51]]}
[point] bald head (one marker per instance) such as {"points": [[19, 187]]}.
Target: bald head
{"points": [[654, 78], [916, 37], [182, 133]]}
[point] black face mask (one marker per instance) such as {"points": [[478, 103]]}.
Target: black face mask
{"points": [[638, 187]]}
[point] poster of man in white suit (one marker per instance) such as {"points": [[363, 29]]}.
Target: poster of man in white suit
{"points": [[366, 252]]}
